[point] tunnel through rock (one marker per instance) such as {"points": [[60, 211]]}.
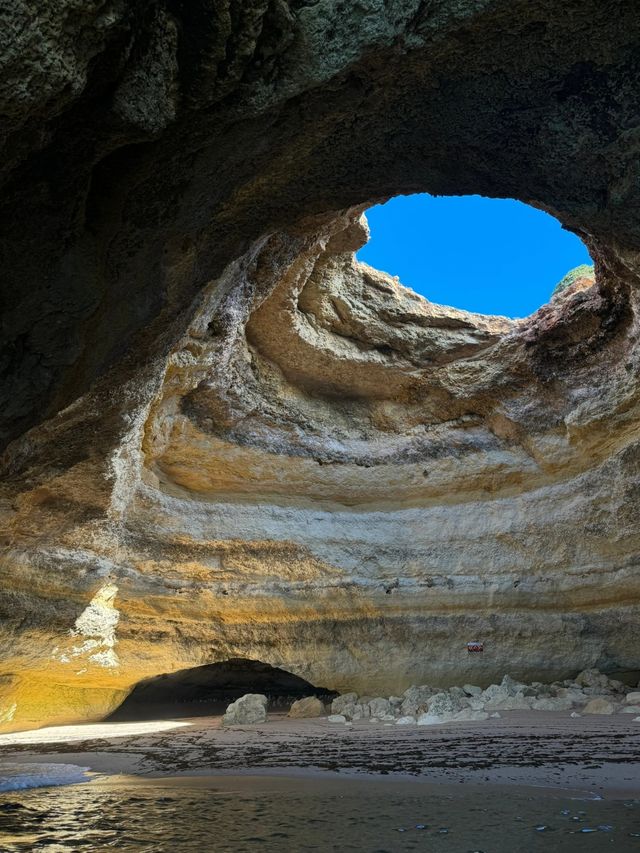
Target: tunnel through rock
{"points": [[204, 690]]}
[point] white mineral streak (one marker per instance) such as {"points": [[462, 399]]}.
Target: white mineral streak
{"points": [[97, 624]]}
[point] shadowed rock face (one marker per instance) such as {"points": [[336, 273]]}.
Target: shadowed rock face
{"points": [[225, 437]]}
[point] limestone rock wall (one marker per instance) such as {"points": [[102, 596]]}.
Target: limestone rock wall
{"points": [[332, 475], [225, 437]]}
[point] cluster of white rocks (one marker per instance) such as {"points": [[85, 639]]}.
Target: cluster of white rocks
{"points": [[591, 692], [252, 708]]}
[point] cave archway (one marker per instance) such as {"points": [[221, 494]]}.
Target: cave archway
{"points": [[209, 689], [501, 99]]}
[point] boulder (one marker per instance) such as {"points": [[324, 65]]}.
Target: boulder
{"points": [[469, 715], [429, 720], [577, 696], [631, 709], [492, 691], [396, 701], [592, 678], [407, 720], [357, 711], [411, 708], [472, 690], [336, 718], [596, 691], [351, 711], [341, 702], [511, 686], [379, 707], [250, 708], [416, 699], [508, 703], [310, 706], [551, 703], [633, 698], [599, 706], [443, 703]]}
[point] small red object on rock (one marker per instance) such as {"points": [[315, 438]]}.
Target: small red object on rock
{"points": [[475, 646]]}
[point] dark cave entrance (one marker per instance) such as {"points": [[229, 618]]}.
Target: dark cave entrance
{"points": [[207, 690]]}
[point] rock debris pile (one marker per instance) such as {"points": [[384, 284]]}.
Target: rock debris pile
{"points": [[591, 692]]}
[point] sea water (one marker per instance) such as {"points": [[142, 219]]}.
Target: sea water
{"points": [[236, 814]]}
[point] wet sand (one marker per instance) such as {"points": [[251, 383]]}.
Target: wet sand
{"points": [[591, 755]]}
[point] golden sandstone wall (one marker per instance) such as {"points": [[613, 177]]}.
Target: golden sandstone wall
{"points": [[227, 438]]}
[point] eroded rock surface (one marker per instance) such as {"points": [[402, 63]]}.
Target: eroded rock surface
{"points": [[309, 706], [226, 437], [248, 709]]}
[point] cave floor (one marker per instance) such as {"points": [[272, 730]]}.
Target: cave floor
{"points": [[599, 755]]}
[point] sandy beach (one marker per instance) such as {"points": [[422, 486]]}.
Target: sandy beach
{"points": [[520, 748]]}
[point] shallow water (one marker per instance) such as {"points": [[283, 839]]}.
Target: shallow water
{"points": [[238, 814], [19, 776]]}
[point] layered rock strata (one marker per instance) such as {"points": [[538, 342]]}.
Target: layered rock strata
{"points": [[334, 476], [225, 437]]}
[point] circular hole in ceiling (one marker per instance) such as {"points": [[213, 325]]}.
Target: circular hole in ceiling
{"points": [[487, 255]]}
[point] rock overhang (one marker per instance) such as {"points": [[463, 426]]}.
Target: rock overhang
{"points": [[253, 436]]}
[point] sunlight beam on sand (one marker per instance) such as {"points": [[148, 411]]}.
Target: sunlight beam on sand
{"points": [[92, 731]]}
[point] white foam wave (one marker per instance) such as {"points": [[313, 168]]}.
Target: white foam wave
{"points": [[19, 777]]}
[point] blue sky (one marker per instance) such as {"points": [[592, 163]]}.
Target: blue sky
{"points": [[495, 256]]}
